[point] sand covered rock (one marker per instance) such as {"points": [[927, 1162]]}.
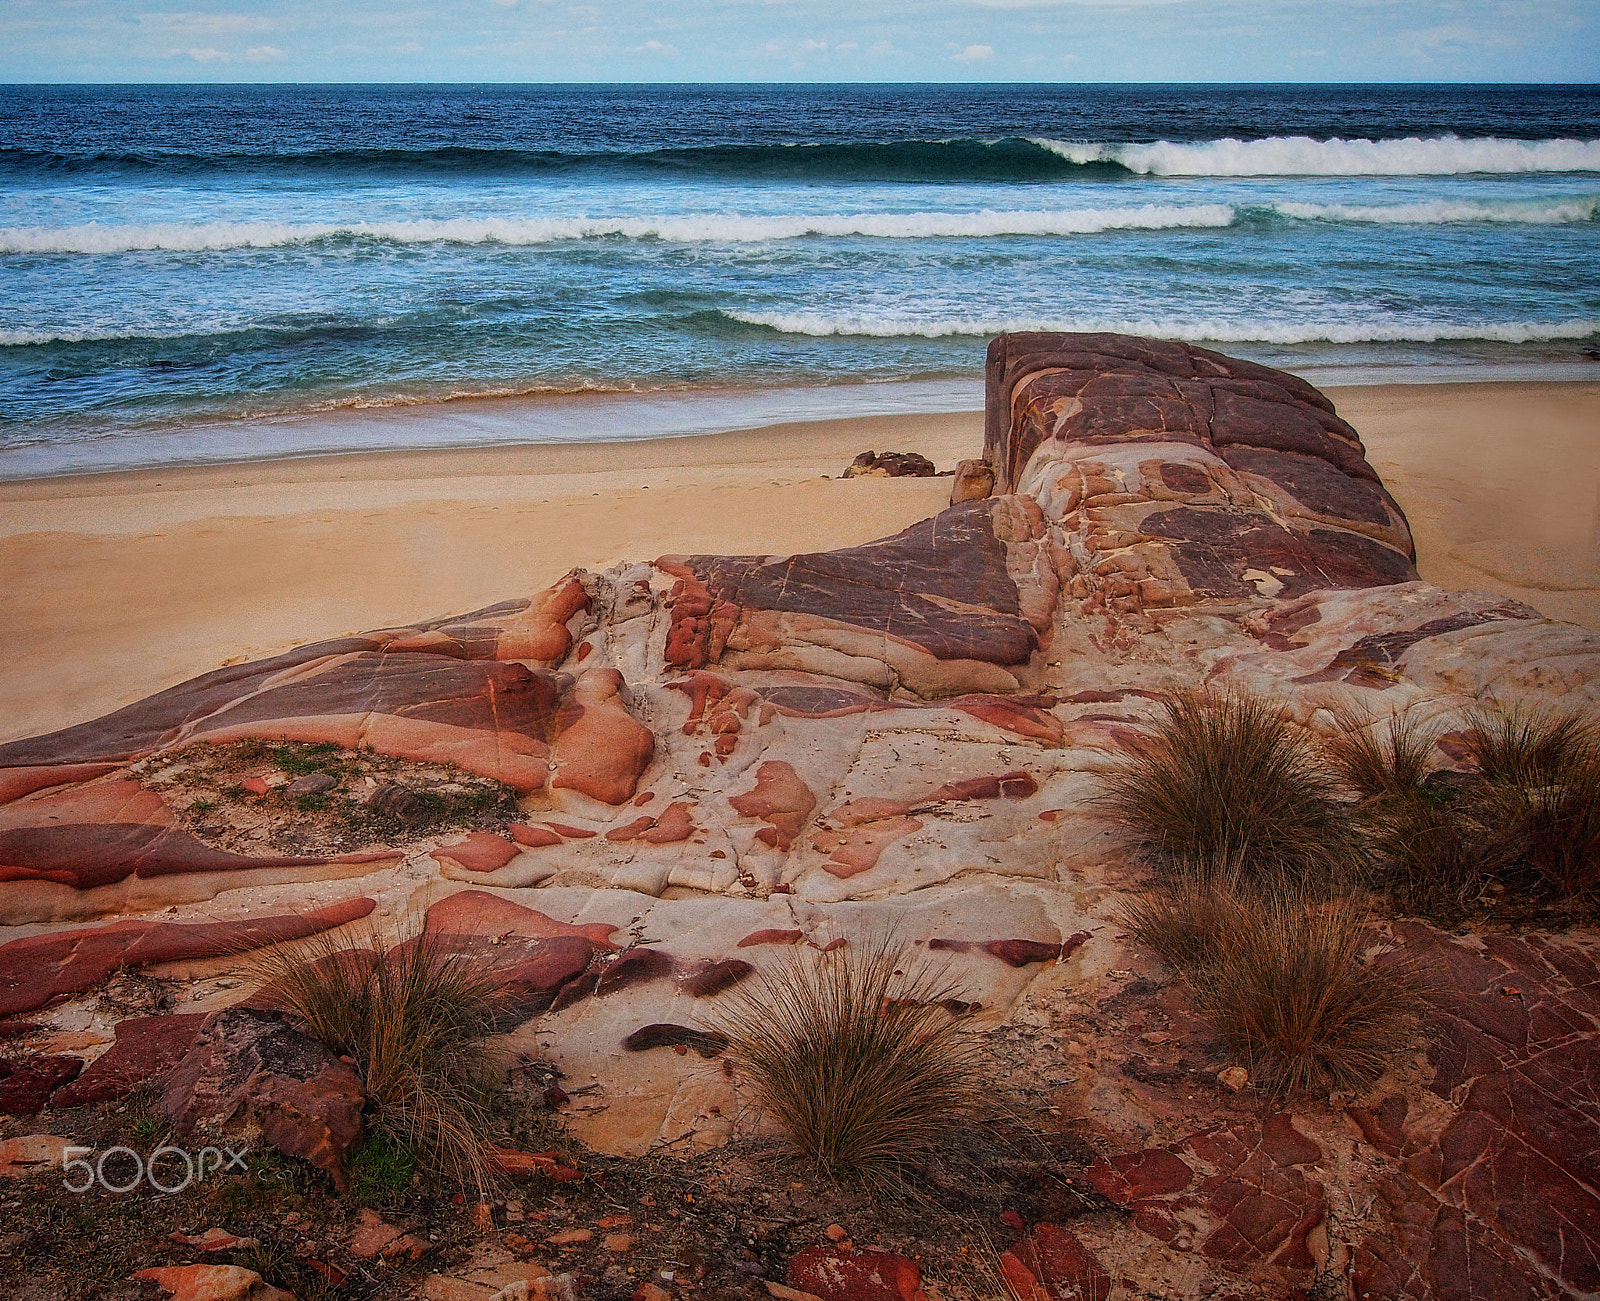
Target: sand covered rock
{"points": [[720, 763]]}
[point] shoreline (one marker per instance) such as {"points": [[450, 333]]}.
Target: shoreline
{"points": [[467, 422], [123, 583]]}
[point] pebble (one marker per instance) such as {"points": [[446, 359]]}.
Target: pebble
{"points": [[569, 1237]]}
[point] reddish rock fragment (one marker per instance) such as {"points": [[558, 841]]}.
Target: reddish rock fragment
{"points": [[1019, 953], [707, 1043], [634, 967], [514, 1163], [780, 798], [770, 937], [708, 978], [843, 1274], [1132, 1176], [533, 837], [145, 1052], [672, 826], [213, 1283], [244, 1063], [38, 968], [1052, 1264], [630, 830], [481, 851], [26, 1083], [477, 912]]}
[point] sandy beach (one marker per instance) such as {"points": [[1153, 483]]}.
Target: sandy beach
{"points": [[119, 585]]}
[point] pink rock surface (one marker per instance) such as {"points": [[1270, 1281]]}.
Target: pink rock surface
{"points": [[36, 969], [481, 851], [212, 1283], [1052, 1263]]}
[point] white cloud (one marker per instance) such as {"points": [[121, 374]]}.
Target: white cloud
{"points": [[209, 54], [505, 4], [653, 46], [263, 53], [974, 54], [809, 46]]}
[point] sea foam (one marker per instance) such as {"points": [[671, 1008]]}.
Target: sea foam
{"points": [[1303, 156]]}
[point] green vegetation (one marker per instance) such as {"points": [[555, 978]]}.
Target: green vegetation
{"points": [[861, 1063], [381, 1168]]}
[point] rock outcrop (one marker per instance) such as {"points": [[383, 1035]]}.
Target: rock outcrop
{"points": [[717, 759]]}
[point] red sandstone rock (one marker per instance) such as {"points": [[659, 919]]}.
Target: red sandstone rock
{"points": [[850, 854], [476, 912], [249, 1067], [36, 969], [481, 851], [780, 798], [771, 937], [1050, 1264], [514, 1163], [672, 826], [533, 837], [26, 1083], [212, 1283], [630, 830], [604, 749], [708, 978], [107, 831], [707, 1043], [838, 1273], [634, 967], [17, 782], [145, 1052]]}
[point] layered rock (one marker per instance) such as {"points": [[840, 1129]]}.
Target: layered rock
{"points": [[722, 760]]}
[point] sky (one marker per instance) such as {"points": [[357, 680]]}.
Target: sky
{"points": [[800, 40]]}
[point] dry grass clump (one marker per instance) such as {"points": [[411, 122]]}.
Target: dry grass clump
{"points": [[1541, 783], [1184, 918], [861, 1063], [415, 1019], [1223, 779], [1382, 765], [1282, 975], [1293, 997]]}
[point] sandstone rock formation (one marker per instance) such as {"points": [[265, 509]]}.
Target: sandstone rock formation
{"points": [[717, 758]]}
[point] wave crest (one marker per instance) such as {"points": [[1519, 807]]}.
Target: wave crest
{"points": [[886, 325], [1304, 156]]}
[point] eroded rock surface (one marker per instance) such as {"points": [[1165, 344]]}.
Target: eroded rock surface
{"points": [[722, 761]]}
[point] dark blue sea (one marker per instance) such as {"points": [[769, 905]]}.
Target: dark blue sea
{"points": [[188, 273]]}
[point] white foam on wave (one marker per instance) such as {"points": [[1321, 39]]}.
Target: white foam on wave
{"points": [[207, 236], [1436, 212], [1304, 156], [885, 325]]}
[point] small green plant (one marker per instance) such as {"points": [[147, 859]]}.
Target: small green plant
{"points": [[1225, 780], [863, 1065], [311, 803], [415, 1019], [299, 760], [381, 1168], [201, 805]]}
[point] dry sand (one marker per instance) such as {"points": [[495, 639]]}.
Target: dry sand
{"points": [[114, 586]]}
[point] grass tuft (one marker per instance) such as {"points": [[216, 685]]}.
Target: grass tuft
{"points": [[1293, 998], [1281, 973], [415, 1019], [1223, 780], [1382, 765], [860, 1062]]}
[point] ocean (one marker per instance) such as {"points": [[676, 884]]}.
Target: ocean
{"points": [[216, 272]]}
